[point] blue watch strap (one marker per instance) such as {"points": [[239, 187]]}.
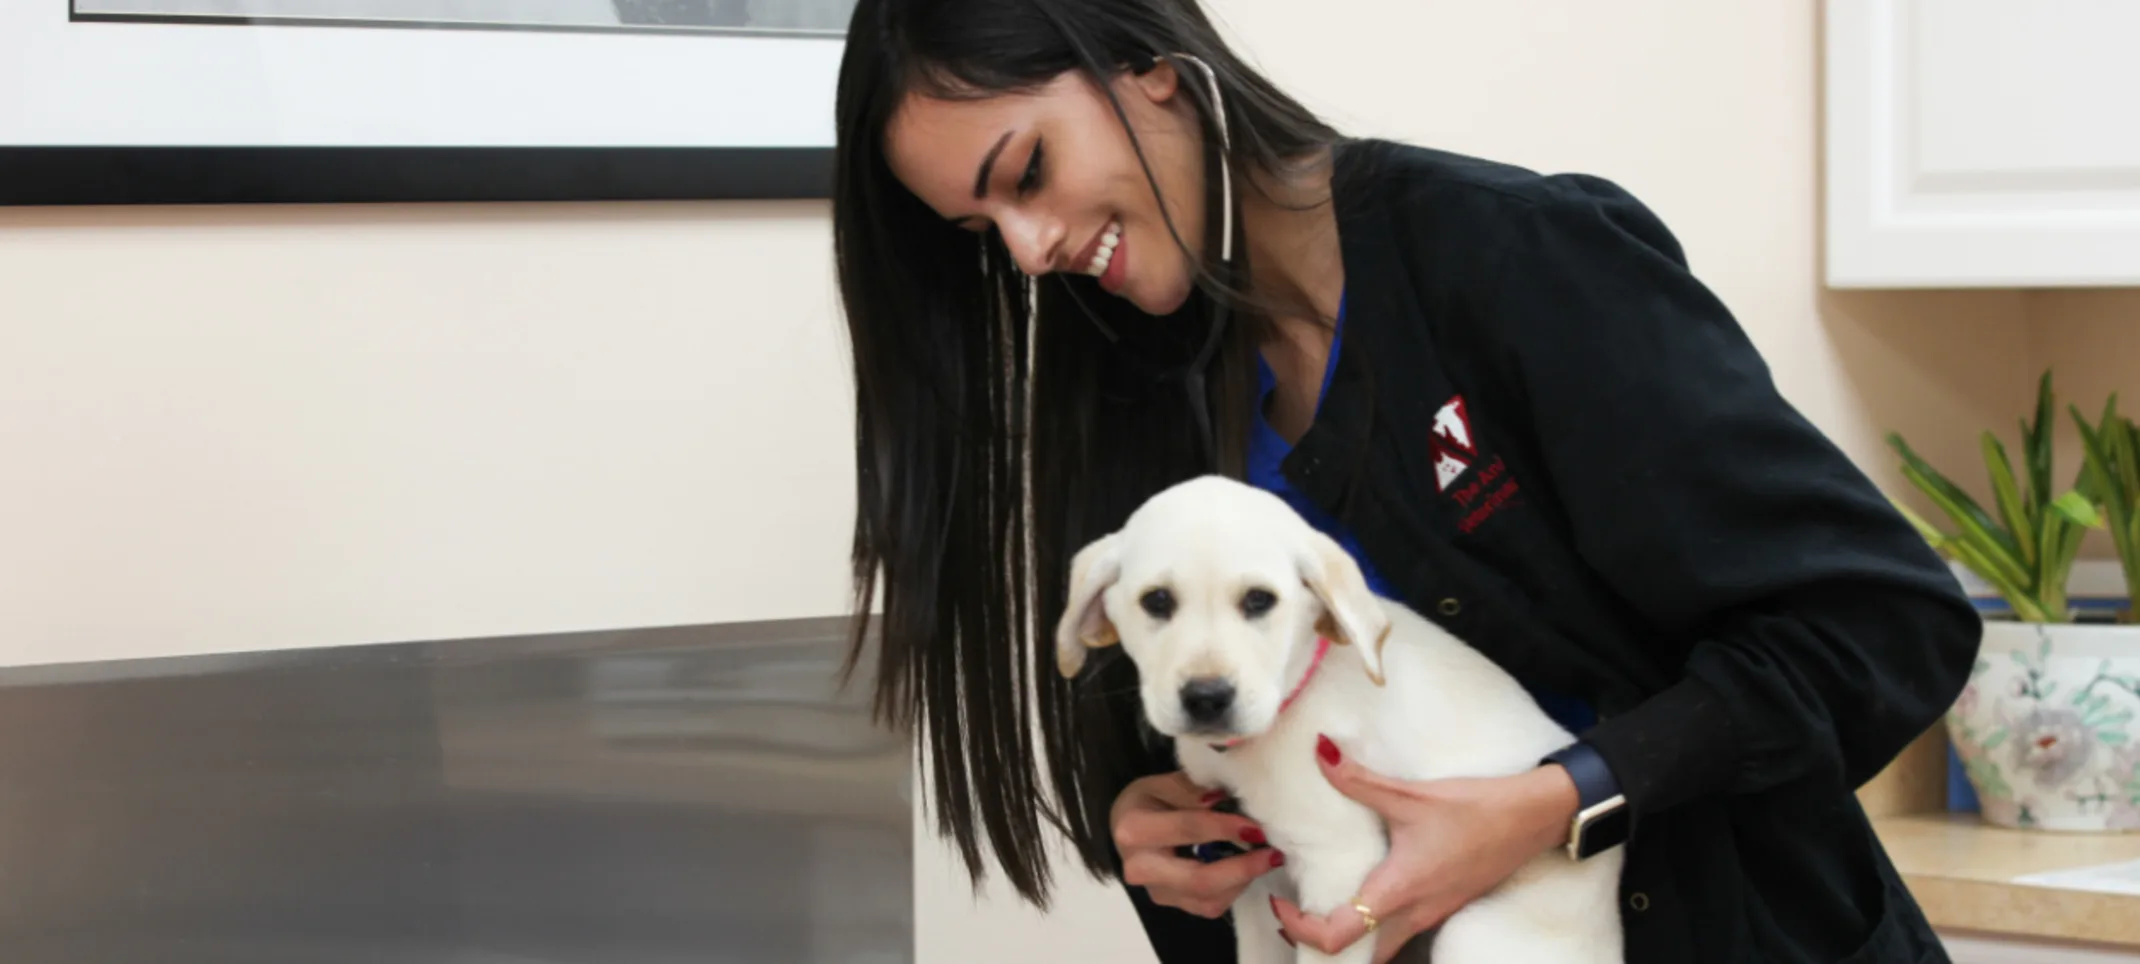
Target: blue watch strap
{"points": [[1602, 820], [1594, 782]]}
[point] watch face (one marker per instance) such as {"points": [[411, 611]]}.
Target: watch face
{"points": [[1604, 831]]}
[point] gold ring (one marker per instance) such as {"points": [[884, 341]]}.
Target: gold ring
{"points": [[1366, 915]]}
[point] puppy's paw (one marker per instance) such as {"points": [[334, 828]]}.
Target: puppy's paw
{"points": [[1257, 937], [1361, 952]]}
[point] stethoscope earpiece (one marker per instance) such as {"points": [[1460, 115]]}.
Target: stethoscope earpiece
{"points": [[1218, 111]]}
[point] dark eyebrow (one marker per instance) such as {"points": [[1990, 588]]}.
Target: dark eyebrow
{"points": [[988, 166]]}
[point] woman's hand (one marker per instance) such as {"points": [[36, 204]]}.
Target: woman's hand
{"points": [[1450, 842], [1155, 815]]}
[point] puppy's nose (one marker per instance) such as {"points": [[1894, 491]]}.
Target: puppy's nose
{"points": [[1206, 699]]}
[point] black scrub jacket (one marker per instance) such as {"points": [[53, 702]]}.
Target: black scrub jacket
{"points": [[1636, 517]]}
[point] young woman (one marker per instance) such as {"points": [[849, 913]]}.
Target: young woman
{"points": [[1086, 252]]}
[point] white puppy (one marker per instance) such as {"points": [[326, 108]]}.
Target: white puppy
{"points": [[1228, 602]]}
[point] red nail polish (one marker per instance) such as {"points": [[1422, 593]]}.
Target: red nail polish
{"points": [[1277, 858], [1214, 797], [1288, 938], [1327, 750], [1254, 836]]}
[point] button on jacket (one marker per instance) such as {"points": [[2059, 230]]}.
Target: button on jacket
{"points": [[1556, 442]]}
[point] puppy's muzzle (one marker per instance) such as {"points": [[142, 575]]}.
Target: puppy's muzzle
{"points": [[1207, 700]]}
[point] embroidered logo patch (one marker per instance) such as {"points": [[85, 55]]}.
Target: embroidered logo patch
{"points": [[1456, 451]]}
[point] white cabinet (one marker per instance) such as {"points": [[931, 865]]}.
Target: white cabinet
{"points": [[1975, 143]]}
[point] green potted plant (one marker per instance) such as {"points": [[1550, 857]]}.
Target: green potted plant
{"points": [[2110, 478], [2045, 728]]}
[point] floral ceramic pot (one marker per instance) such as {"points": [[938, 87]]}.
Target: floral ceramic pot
{"points": [[2046, 728]]}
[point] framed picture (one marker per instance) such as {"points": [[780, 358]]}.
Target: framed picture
{"points": [[262, 101]]}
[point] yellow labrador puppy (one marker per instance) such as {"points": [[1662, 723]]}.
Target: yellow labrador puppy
{"points": [[1253, 634]]}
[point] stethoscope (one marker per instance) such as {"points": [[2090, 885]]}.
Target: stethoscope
{"points": [[1193, 375]]}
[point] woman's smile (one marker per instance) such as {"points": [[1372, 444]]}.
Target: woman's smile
{"points": [[1102, 257]]}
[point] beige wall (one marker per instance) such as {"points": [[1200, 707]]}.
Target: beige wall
{"points": [[306, 426], [2091, 341], [272, 427]]}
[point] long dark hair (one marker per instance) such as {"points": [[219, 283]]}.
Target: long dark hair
{"points": [[965, 369]]}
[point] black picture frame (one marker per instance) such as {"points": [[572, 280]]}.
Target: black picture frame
{"points": [[90, 175], [87, 174]]}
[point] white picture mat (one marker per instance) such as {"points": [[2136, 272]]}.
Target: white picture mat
{"points": [[812, 16], [143, 84], [2119, 878]]}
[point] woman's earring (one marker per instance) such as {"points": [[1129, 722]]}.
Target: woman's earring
{"points": [[1218, 109]]}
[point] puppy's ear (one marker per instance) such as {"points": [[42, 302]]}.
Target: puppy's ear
{"points": [[1084, 623], [1351, 613]]}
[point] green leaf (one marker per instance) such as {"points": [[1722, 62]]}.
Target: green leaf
{"points": [[1997, 737], [1963, 547], [1957, 504], [2036, 476], [2098, 470], [1970, 556], [2124, 439], [2059, 555], [2009, 496], [2078, 510], [1994, 552], [2130, 464], [2128, 450], [2038, 437], [2111, 429], [2017, 595], [2111, 471], [2113, 737], [1926, 529], [2050, 573]]}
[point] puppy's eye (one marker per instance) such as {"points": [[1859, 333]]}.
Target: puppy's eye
{"points": [[1158, 602], [1256, 602]]}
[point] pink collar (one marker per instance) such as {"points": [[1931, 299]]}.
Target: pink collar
{"points": [[1322, 648]]}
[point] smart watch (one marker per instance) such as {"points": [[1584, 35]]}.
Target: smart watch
{"points": [[1601, 817]]}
